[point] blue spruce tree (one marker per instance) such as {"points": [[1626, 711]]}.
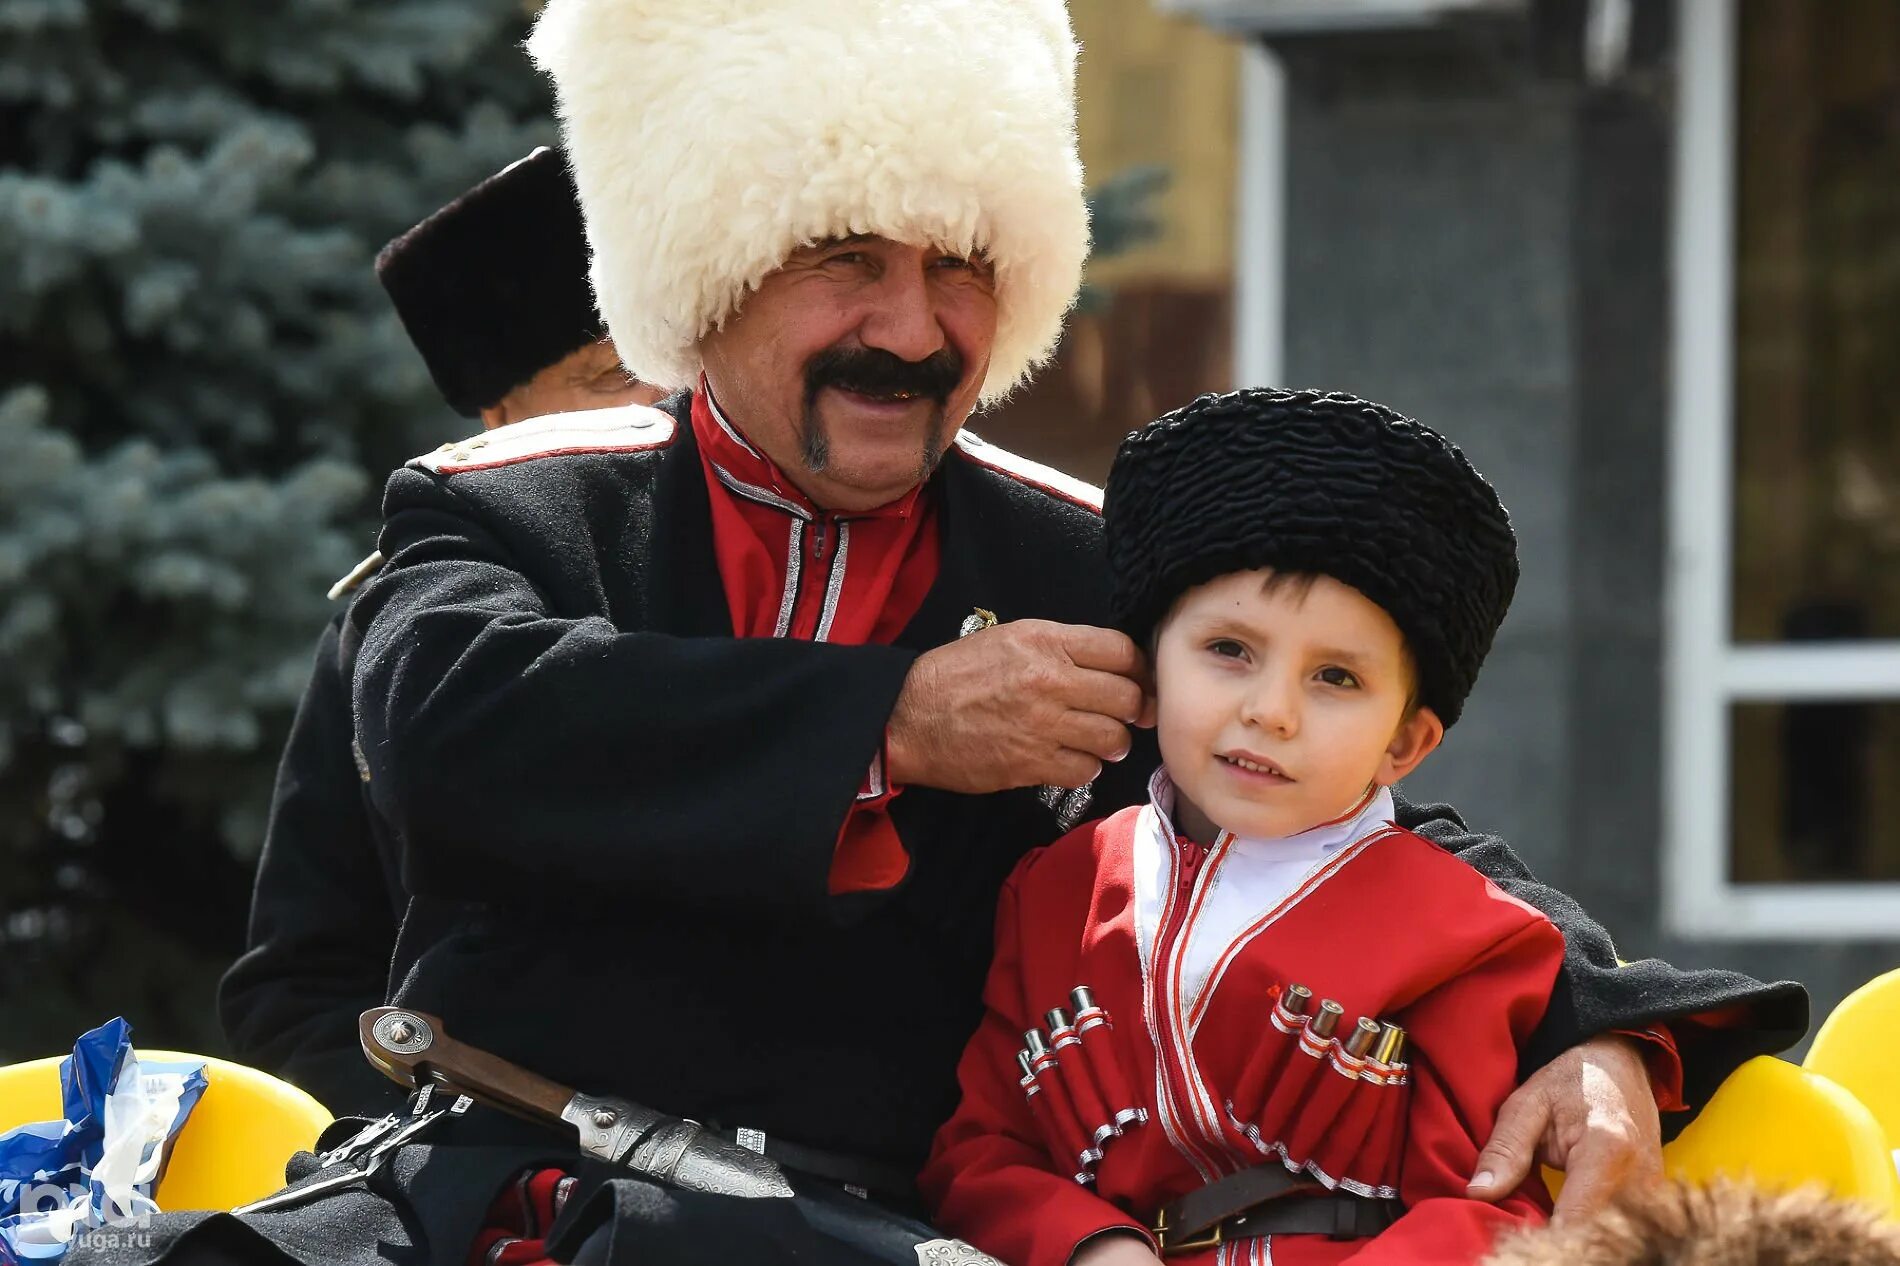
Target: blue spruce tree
{"points": [[200, 386]]}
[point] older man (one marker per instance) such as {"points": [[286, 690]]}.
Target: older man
{"points": [[703, 794], [492, 290]]}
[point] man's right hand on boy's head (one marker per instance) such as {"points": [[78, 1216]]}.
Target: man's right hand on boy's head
{"points": [[1018, 705]]}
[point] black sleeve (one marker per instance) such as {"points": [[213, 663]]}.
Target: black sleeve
{"points": [[323, 919], [523, 756], [1720, 1019]]}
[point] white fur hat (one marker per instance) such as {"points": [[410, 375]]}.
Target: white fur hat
{"points": [[711, 138]]}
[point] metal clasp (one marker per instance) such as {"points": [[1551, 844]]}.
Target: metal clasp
{"points": [[1210, 1239]]}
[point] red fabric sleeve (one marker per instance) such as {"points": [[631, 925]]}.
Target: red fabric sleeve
{"points": [[1464, 1043], [989, 1179], [869, 855], [1664, 1062]]}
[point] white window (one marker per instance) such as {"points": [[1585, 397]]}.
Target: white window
{"points": [[1783, 667]]}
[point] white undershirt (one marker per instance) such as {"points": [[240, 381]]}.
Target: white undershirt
{"points": [[1251, 876]]}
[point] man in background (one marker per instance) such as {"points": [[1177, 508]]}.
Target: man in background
{"points": [[492, 289]]}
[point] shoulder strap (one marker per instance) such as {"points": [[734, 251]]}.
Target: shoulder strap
{"points": [[1035, 474], [630, 428], [357, 575]]}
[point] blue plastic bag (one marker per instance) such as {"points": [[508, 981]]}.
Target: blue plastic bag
{"points": [[96, 1169]]}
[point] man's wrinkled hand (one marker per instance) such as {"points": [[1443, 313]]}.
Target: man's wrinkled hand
{"points": [[1017, 705], [1589, 1112]]}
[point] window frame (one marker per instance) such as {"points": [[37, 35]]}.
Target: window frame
{"points": [[1705, 670]]}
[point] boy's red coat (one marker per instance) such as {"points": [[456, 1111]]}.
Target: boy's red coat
{"points": [[1391, 927]]}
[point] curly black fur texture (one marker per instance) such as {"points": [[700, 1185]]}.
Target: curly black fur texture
{"points": [[1323, 483]]}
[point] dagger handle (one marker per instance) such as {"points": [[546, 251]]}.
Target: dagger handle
{"points": [[412, 1049]]}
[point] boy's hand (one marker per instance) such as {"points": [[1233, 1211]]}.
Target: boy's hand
{"points": [[1590, 1113], [1116, 1248], [1017, 705]]}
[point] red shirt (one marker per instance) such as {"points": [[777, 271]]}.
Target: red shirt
{"points": [[791, 569]]}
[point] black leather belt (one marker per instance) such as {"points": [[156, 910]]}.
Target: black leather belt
{"points": [[1267, 1200], [859, 1175]]}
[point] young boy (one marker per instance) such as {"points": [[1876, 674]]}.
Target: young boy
{"points": [[1253, 1021]]}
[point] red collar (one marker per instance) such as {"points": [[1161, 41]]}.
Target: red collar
{"points": [[792, 570]]}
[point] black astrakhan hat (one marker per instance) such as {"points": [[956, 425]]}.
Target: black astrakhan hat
{"points": [[1321, 483], [493, 287]]}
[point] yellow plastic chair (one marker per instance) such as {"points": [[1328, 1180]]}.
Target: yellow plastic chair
{"points": [[1778, 1126], [1858, 1048], [233, 1147]]}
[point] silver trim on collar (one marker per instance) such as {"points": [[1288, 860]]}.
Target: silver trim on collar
{"points": [[764, 496], [731, 431], [794, 561], [835, 585]]}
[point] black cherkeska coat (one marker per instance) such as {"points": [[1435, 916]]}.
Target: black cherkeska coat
{"points": [[324, 913], [615, 821]]}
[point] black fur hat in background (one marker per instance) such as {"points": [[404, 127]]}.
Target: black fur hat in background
{"points": [[1321, 483], [493, 287]]}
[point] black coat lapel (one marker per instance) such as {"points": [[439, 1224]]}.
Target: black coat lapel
{"points": [[989, 560], [688, 598]]}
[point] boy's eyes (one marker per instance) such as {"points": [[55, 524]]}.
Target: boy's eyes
{"points": [[1331, 675]]}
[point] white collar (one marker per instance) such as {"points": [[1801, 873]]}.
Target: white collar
{"points": [[1244, 888]]}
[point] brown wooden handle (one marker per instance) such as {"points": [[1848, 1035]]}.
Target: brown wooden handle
{"points": [[412, 1049]]}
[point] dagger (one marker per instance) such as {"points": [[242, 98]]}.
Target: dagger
{"points": [[413, 1049]]}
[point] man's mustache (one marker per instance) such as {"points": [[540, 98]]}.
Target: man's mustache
{"points": [[871, 371]]}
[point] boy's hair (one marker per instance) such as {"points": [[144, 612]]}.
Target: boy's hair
{"points": [[1726, 1224], [1323, 483]]}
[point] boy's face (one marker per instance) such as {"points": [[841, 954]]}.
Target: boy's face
{"points": [[1279, 706]]}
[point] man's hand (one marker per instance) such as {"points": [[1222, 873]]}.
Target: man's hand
{"points": [[1116, 1248], [1017, 705], [1590, 1113]]}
